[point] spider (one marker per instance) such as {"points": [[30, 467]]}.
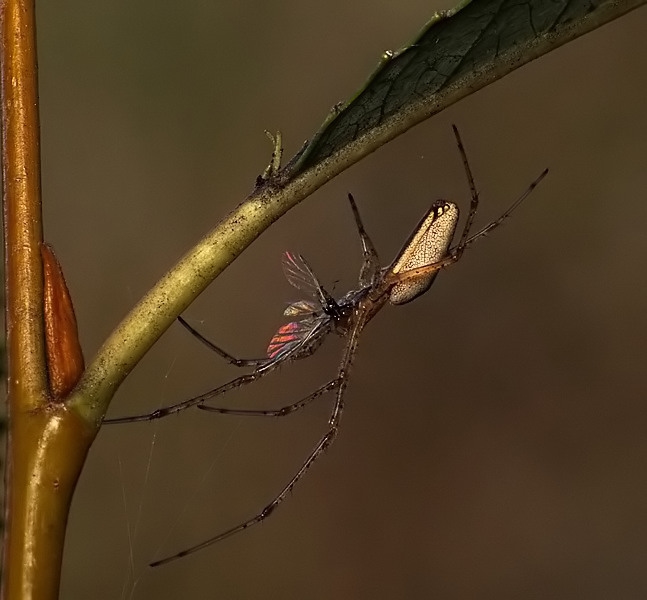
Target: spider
{"points": [[411, 274]]}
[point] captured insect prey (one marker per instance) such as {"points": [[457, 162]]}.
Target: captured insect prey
{"points": [[423, 255]]}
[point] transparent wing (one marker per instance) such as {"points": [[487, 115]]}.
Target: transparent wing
{"points": [[299, 274]]}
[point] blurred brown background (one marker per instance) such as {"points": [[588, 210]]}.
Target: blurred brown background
{"points": [[494, 442]]}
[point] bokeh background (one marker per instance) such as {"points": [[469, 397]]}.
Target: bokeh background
{"points": [[494, 443]]}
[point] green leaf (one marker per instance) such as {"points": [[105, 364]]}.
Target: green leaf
{"points": [[457, 52]]}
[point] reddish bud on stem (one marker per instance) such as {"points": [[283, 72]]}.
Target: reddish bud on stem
{"points": [[64, 355]]}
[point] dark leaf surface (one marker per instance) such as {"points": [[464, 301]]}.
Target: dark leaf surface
{"points": [[476, 37]]}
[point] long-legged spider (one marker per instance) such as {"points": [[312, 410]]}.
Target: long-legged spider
{"points": [[414, 269]]}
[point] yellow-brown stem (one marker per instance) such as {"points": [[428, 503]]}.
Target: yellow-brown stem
{"points": [[46, 442], [22, 207], [48, 452]]}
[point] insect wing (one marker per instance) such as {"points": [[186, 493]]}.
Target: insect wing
{"points": [[428, 244], [299, 274], [293, 337], [302, 308]]}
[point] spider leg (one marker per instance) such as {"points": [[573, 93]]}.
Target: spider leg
{"points": [[196, 400], [371, 265], [304, 348], [466, 240], [325, 441], [237, 362], [494, 224], [279, 412]]}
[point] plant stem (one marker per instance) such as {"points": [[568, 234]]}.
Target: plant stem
{"points": [[46, 443], [22, 204]]}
